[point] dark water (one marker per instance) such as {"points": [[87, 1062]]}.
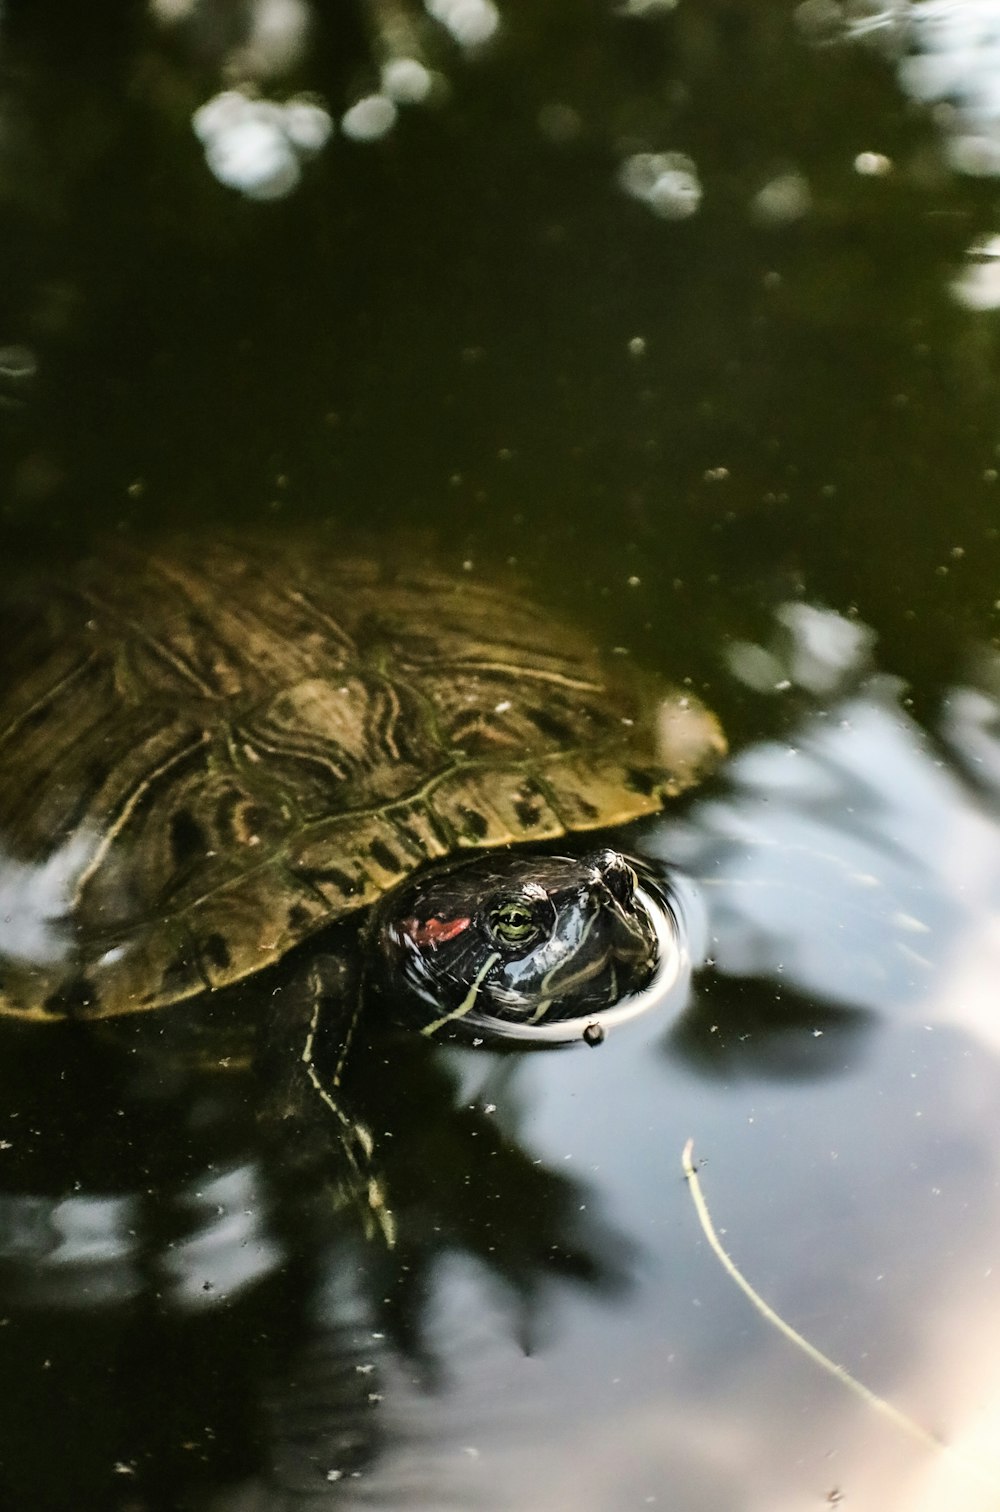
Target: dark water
{"points": [[735, 411]]}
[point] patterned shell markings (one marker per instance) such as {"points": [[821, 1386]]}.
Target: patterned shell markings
{"points": [[205, 755]]}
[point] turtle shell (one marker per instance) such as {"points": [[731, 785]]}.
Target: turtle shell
{"points": [[209, 752]]}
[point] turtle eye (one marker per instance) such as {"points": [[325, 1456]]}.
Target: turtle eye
{"points": [[514, 921]]}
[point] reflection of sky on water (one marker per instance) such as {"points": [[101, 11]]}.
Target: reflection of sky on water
{"points": [[851, 864], [820, 862], [69, 1252], [85, 1251], [947, 57], [35, 902], [227, 1248], [953, 58]]}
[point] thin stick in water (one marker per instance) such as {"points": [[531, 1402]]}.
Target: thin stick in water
{"points": [[887, 1410]]}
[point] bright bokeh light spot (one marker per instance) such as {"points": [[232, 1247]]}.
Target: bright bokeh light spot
{"points": [[872, 164], [256, 157], [308, 125], [471, 22], [665, 181], [784, 198], [406, 81], [370, 119], [257, 146]]}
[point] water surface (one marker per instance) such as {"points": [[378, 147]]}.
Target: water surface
{"points": [[686, 317]]}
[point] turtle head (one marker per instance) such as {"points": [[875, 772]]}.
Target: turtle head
{"points": [[544, 948]]}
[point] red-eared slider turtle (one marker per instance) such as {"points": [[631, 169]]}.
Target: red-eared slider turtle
{"points": [[210, 752]]}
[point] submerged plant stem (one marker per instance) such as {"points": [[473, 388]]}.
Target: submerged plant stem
{"points": [[887, 1410]]}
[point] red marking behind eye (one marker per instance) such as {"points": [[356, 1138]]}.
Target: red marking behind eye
{"points": [[434, 932]]}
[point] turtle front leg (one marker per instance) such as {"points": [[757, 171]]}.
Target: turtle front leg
{"points": [[305, 1045]]}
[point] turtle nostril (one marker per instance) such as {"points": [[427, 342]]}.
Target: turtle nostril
{"points": [[617, 876]]}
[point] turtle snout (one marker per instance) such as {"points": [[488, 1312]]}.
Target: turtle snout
{"points": [[617, 876]]}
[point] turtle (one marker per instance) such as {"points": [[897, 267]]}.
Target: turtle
{"points": [[213, 749]]}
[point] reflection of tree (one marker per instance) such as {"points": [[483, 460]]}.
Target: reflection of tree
{"points": [[199, 1293], [763, 1028], [460, 1182]]}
